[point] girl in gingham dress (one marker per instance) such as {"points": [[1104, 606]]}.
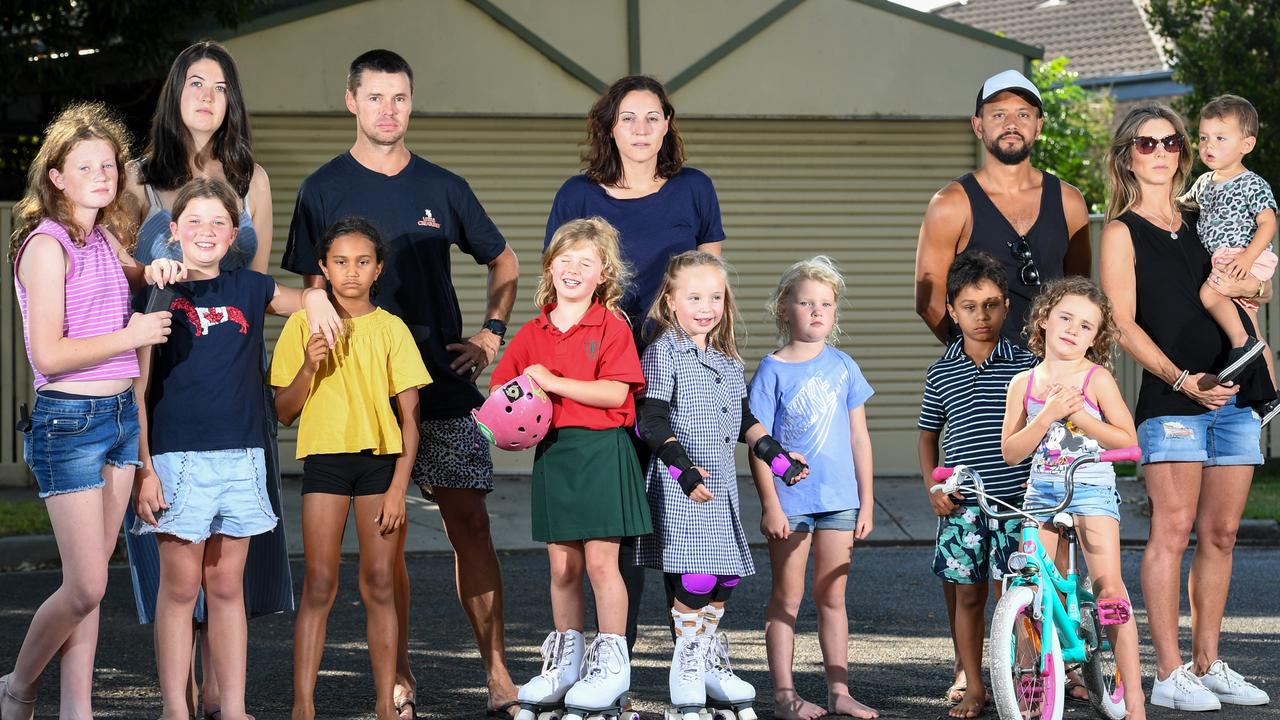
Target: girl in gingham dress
{"points": [[695, 410]]}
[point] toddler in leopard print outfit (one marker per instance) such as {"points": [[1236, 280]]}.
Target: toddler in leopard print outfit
{"points": [[1237, 222]]}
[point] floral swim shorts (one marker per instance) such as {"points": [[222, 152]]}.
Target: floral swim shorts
{"points": [[970, 548]]}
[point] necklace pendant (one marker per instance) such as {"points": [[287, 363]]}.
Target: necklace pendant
{"points": [[1173, 235]]}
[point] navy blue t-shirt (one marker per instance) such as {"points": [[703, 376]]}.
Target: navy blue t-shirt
{"points": [[683, 214], [205, 391], [421, 211]]}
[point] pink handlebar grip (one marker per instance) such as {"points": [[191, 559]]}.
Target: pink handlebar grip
{"points": [[940, 474], [1133, 452], [780, 465]]}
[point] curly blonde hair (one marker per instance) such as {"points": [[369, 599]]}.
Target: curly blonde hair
{"points": [[597, 233], [77, 123], [1104, 344], [662, 318], [819, 268]]}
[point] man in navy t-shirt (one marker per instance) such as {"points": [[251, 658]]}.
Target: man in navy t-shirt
{"points": [[423, 209]]}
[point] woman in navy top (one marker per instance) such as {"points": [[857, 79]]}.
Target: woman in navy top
{"points": [[636, 179], [201, 129]]}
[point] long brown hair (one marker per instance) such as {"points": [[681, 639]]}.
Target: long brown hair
{"points": [[1125, 192], [604, 164], [662, 318], [75, 124], [1104, 344], [166, 163], [595, 232]]}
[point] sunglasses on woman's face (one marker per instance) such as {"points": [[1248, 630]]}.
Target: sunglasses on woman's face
{"points": [[1146, 145]]}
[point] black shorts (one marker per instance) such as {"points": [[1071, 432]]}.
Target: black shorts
{"points": [[349, 474]]}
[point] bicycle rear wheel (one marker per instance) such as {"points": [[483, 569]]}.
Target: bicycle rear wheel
{"points": [[1100, 674], [1025, 688]]}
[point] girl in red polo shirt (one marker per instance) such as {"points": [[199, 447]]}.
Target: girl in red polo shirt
{"points": [[588, 490]]}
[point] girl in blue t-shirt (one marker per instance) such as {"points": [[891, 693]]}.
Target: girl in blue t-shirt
{"points": [[812, 398], [202, 486]]}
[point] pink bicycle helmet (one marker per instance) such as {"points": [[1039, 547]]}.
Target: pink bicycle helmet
{"points": [[517, 416]]}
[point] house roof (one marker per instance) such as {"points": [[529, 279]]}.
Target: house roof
{"points": [[1103, 38]]}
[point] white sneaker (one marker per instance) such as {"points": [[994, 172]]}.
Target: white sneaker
{"points": [[1230, 687], [1182, 690]]}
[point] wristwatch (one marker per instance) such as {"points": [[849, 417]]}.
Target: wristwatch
{"points": [[496, 326]]}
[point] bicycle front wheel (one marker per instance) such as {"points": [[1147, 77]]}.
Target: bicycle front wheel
{"points": [[1025, 687], [1100, 674]]}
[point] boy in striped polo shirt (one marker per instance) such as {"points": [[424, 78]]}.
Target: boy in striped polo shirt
{"points": [[964, 392]]}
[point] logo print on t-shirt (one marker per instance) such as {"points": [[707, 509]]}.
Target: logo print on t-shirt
{"points": [[203, 318], [592, 347], [429, 221]]}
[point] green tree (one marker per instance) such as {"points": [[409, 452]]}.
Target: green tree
{"points": [[1227, 47], [1077, 128]]}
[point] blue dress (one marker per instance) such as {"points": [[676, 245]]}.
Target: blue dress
{"points": [[268, 585]]}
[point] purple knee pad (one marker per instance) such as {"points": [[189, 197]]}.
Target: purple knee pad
{"points": [[704, 583]]}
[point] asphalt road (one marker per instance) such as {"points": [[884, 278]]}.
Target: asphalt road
{"points": [[899, 648]]}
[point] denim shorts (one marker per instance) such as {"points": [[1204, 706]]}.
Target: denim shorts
{"points": [[212, 492], [971, 548], [1087, 500], [70, 440], [846, 520], [1229, 435]]}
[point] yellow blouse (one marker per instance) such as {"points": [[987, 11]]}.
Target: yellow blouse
{"points": [[348, 408]]}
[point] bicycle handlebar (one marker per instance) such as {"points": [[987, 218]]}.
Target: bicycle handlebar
{"points": [[941, 475], [1131, 453]]}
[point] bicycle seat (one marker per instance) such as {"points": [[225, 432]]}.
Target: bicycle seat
{"points": [[1063, 520]]}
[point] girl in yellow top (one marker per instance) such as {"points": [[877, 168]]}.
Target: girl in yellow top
{"points": [[352, 447]]}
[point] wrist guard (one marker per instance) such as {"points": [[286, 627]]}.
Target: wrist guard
{"points": [[680, 466], [783, 465]]}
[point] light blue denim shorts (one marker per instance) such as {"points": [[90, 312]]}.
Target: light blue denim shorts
{"points": [[1087, 500], [212, 492], [833, 520], [1229, 435], [70, 440]]}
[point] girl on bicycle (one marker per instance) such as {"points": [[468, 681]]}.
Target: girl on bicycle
{"points": [[1059, 410]]}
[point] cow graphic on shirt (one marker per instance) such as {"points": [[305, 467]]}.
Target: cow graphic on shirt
{"points": [[203, 318]]}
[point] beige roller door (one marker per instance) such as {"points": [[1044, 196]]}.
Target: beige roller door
{"points": [[853, 189]]}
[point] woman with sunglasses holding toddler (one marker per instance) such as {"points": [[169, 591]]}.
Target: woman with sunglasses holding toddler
{"points": [[1199, 436]]}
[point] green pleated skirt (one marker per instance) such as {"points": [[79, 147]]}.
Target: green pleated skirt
{"points": [[587, 484]]}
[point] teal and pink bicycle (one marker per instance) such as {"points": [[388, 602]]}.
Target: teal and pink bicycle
{"points": [[1047, 623]]}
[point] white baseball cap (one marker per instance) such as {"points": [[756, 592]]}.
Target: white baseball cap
{"points": [[1008, 81]]}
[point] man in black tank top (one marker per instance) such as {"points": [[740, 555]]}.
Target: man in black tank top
{"points": [[1036, 225]]}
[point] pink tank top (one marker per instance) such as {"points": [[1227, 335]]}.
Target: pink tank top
{"points": [[97, 302]]}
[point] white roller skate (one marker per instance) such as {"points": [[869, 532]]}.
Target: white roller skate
{"points": [[729, 697], [688, 691], [542, 698], [601, 694]]}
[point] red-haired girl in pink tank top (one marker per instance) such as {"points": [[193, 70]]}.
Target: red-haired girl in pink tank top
{"points": [[81, 439]]}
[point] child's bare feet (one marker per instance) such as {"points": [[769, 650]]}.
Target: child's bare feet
{"points": [[788, 705], [971, 705], [846, 705]]}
